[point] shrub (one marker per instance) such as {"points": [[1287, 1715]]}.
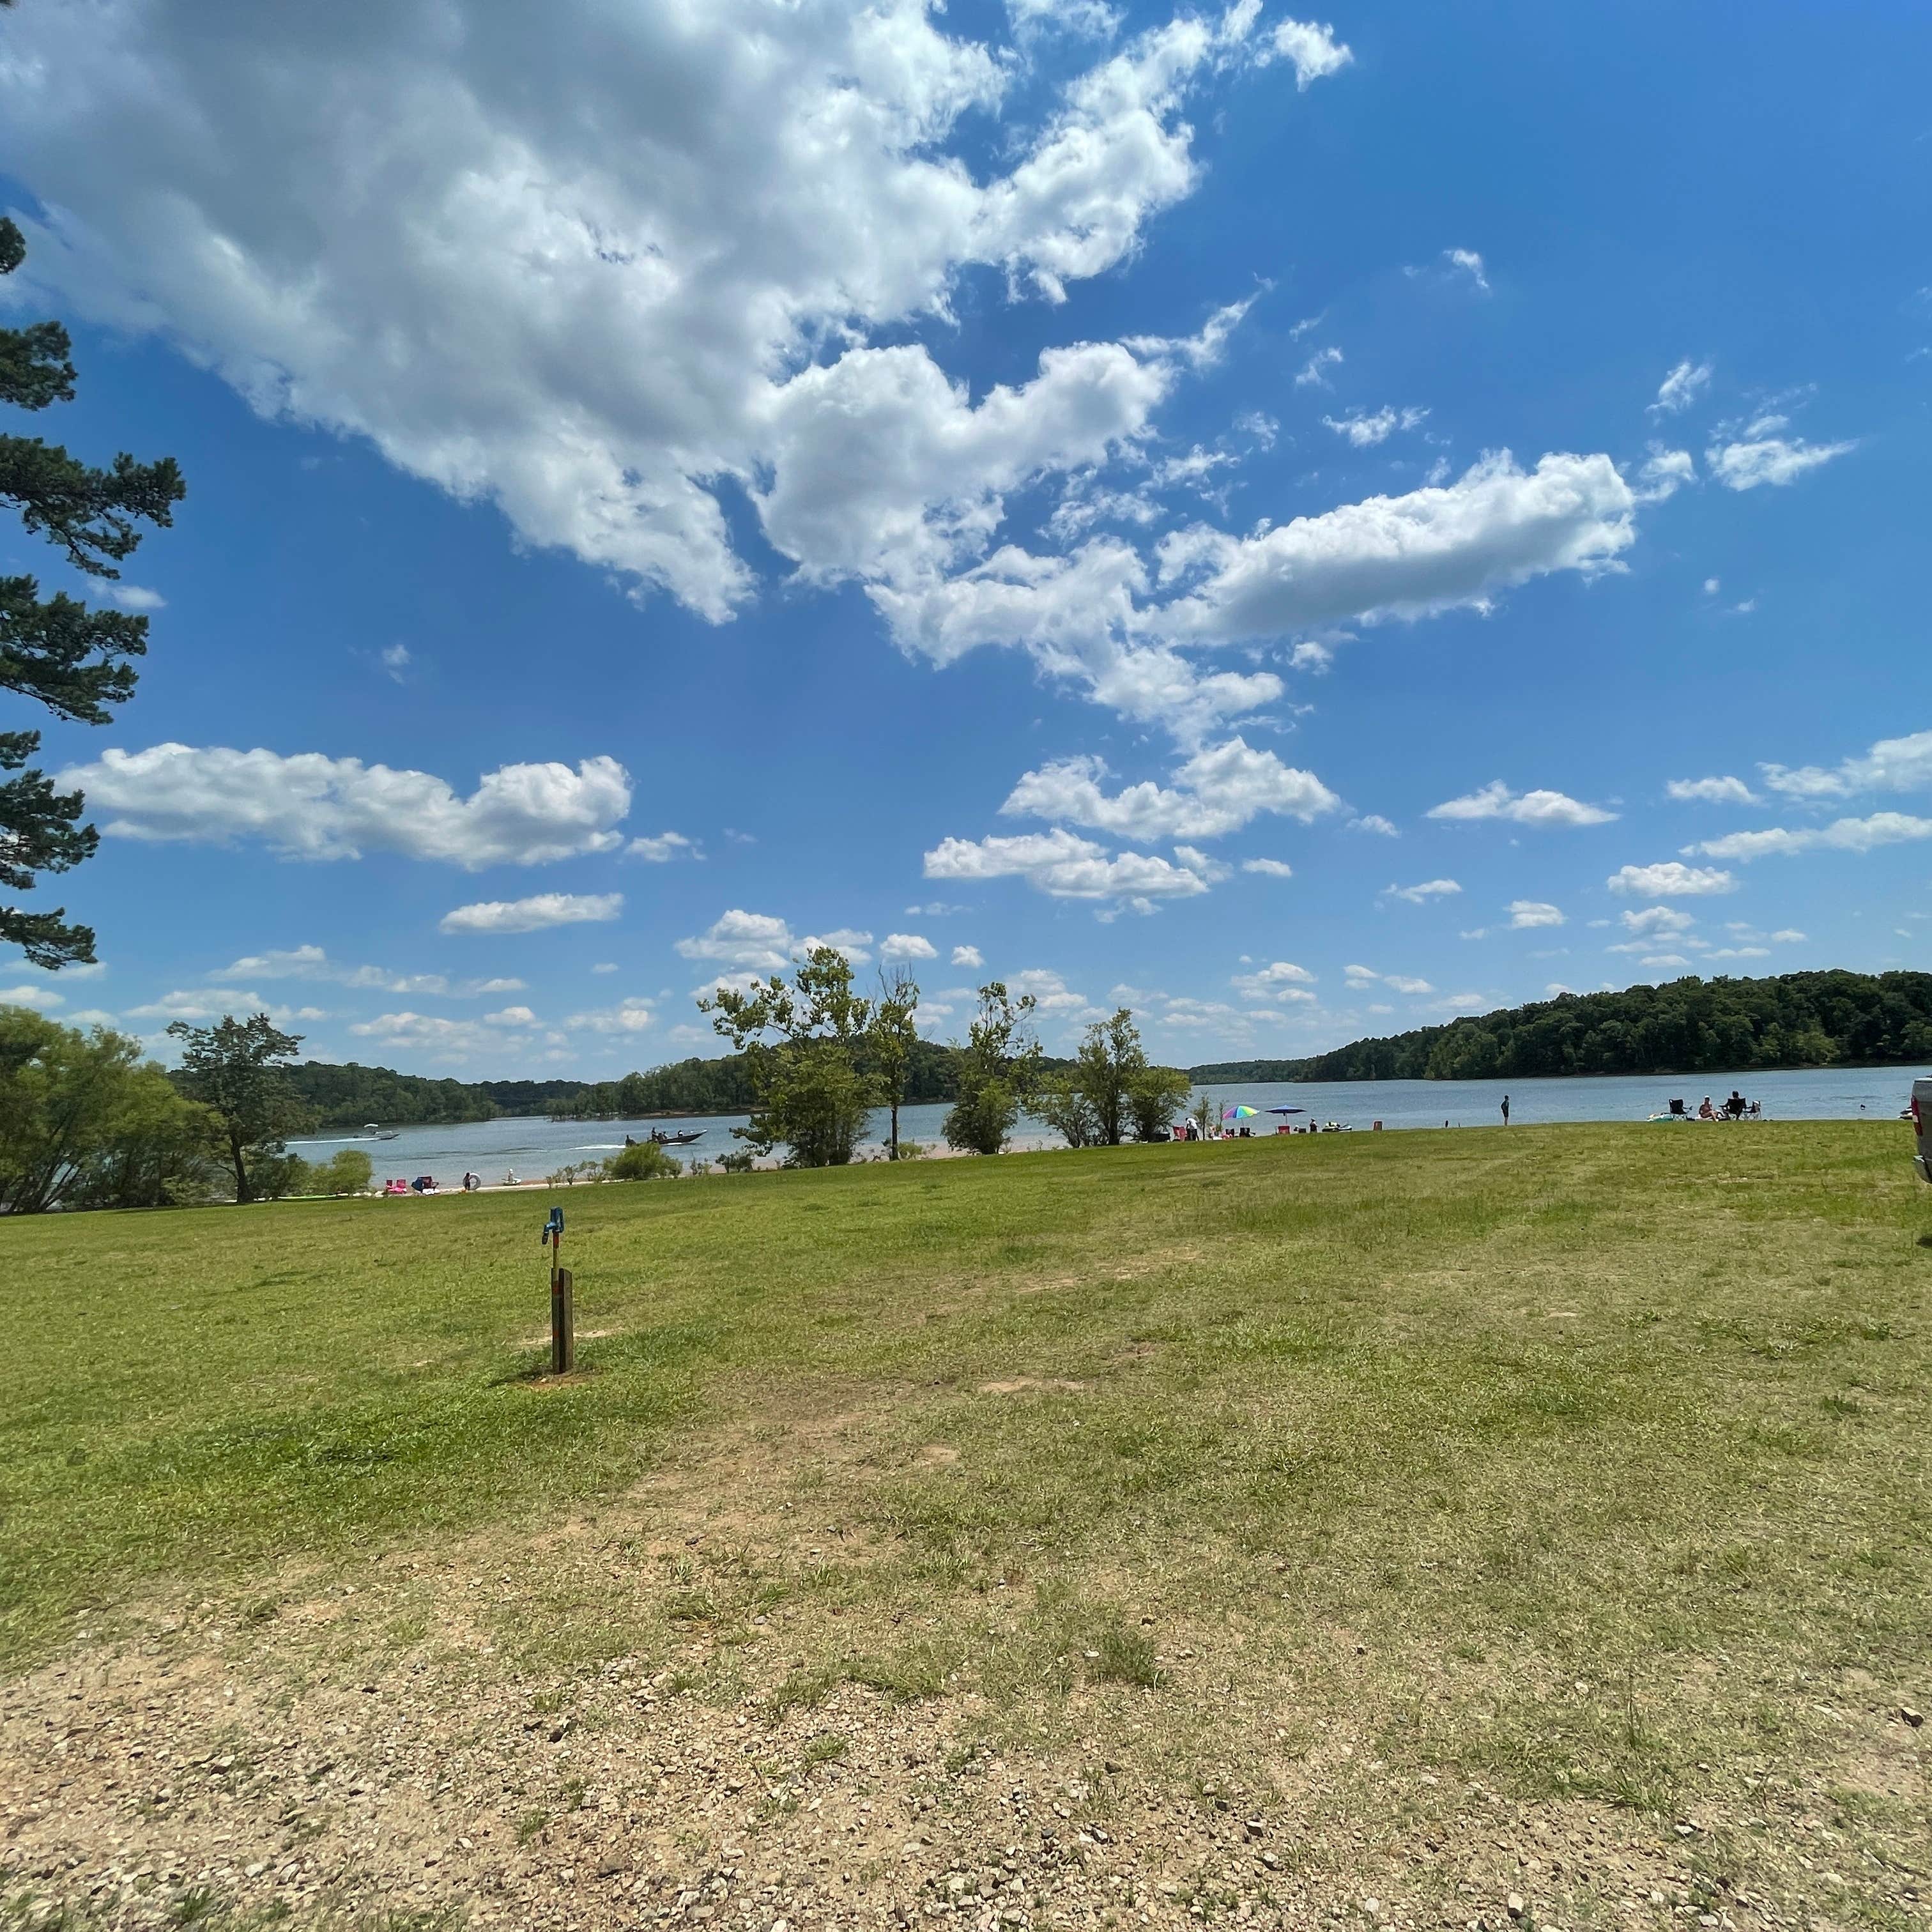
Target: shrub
{"points": [[350, 1172], [642, 1160]]}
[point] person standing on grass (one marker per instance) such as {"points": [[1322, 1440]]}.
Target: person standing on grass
{"points": [[1505, 1110]]}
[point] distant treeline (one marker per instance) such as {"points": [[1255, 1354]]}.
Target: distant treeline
{"points": [[352, 1096], [347, 1096], [724, 1087], [1687, 1026]]}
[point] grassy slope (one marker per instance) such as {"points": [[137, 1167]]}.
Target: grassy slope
{"points": [[1606, 1446]]}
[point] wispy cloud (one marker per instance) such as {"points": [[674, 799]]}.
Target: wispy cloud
{"points": [[1682, 388], [1430, 889]]}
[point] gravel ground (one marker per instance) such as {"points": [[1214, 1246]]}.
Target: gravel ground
{"points": [[253, 1774]]}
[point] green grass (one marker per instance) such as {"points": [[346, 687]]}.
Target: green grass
{"points": [[1493, 1441]]}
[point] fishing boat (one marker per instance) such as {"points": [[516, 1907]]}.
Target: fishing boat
{"points": [[658, 1139]]}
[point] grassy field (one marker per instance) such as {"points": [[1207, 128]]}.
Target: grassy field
{"points": [[1456, 1514]]}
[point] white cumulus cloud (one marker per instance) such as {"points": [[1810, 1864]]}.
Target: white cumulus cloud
{"points": [[1314, 50], [136, 597], [1082, 619], [758, 942], [1540, 809], [1842, 835], [1064, 866], [646, 221], [1048, 990], [1218, 790], [533, 914], [1525, 914], [43, 998], [452, 1041], [1669, 880], [1710, 791], [1404, 556], [1269, 868], [1652, 921], [1281, 980], [1430, 889], [969, 956], [633, 1015], [312, 806], [1892, 764], [902, 946], [660, 849]]}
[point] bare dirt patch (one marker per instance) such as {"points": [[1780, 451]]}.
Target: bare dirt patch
{"points": [[228, 1771]]}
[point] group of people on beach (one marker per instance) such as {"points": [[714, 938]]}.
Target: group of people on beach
{"points": [[1737, 1108], [426, 1184]]}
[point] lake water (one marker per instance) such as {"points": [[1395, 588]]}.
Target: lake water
{"points": [[532, 1149]]}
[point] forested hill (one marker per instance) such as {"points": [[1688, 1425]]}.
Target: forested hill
{"points": [[352, 1096], [1687, 1026]]}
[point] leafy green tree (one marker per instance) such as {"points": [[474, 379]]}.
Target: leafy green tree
{"points": [[1062, 1102], [85, 1120], [998, 1072], [1111, 1088], [274, 1177], [1153, 1096], [891, 1041], [162, 1150], [55, 651], [240, 1069], [1110, 1060], [811, 1093]]}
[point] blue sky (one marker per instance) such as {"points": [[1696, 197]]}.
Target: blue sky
{"points": [[1307, 523]]}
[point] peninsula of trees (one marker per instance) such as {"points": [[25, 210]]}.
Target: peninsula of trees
{"points": [[1687, 1026]]}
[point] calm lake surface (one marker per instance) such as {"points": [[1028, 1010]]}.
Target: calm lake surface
{"points": [[532, 1149]]}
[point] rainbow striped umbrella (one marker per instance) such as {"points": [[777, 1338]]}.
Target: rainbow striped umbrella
{"points": [[1237, 1113]]}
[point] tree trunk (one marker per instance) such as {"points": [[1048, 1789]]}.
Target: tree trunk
{"points": [[235, 1157], [896, 1129]]}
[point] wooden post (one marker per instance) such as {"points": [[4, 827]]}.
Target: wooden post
{"points": [[562, 1322]]}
